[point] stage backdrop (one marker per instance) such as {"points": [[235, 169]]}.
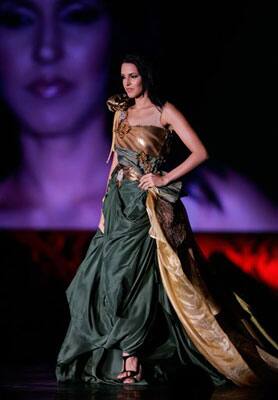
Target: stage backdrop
{"points": [[59, 62], [214, 61]]}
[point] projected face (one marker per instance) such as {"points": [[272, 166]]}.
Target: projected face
{"points": [[53, 74], [52, 61]]}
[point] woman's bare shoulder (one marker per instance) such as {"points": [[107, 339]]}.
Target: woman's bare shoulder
{"points": [[170, 113], [168, 108]]}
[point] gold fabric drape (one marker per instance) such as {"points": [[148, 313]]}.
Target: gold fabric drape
{"points": [[195, 314]]}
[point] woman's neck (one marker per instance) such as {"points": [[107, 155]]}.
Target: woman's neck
{"points": [[142, 102]]}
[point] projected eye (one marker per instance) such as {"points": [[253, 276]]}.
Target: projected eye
{"points": [[81, 15], [16, 19]]}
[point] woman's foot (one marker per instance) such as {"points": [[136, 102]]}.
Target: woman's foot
{"points": [[131, 371]]}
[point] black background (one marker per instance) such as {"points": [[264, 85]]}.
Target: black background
{"points": [[217, 62]]}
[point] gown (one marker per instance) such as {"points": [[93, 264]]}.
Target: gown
{"points": [[143, 286]]}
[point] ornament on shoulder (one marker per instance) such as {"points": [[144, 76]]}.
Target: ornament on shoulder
{"points": [[118, 102]]}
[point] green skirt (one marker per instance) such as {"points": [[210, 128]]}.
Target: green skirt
{"points": [[118, 303]]}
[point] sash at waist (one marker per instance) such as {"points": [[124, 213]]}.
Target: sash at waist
{"points": [[131, 167]]}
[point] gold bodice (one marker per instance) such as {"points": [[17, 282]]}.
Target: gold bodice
{"points": [[150, 139]]}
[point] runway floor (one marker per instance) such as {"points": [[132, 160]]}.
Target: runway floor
{"points": [[37, 382]]}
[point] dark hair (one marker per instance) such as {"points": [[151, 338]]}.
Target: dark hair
{"points": [[146, 70]]}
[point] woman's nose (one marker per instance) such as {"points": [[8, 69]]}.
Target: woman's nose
{"points": [[48, 45]]}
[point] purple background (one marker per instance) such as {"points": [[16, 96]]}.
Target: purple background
{"points": [[214, 61]]}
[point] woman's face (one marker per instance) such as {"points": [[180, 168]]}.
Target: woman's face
{"points": [[53, 57], [132, 80]]}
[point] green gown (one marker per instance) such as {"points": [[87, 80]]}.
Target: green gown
{"points": [[117, 299]]}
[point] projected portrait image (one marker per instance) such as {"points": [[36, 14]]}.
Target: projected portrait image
{"points": [[55, 57], [53, 73]]}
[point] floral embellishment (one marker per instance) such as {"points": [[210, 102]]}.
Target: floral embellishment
{"points": [[148, 163], [118, 102], [124, 127], [119, 177], [144, 163]]}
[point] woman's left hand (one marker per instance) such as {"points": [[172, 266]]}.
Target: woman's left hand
{"points": [[150, 180]]}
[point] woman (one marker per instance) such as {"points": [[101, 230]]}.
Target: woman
{"points": [[141, 302]]}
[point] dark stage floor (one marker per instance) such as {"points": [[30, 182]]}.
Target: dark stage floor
{"points": [[37, 382]]}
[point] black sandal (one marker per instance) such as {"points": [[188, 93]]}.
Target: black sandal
{"points": [[133, 375]]}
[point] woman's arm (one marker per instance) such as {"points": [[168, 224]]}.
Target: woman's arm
{"points": [[113, 165], [173, 117]]}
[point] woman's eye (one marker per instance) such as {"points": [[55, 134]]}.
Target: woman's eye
{"points": [[15, 19], [81, 15]]}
